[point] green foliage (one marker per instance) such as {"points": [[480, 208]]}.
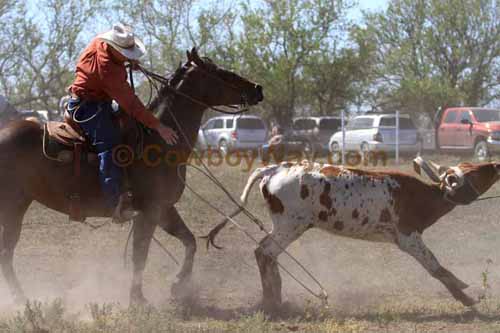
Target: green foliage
{"points": [[435, 53], [286, 45], [42, 50], [415, 56]]}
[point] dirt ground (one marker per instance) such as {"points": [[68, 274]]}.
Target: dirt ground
{"points": [[373, 286]]}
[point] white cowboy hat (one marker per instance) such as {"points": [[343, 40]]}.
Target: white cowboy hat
{"points": [[122, 39]]}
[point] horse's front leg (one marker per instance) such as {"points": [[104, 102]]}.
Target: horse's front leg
{"points": [[172, 223], [144, 227]]}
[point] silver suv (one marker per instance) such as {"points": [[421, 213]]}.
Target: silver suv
{"points": [[232, 133]]}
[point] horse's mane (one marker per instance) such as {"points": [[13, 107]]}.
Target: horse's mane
{"points": [[165, 90]]}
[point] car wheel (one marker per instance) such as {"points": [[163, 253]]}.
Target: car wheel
{"points": [[223, 147], [481, 152]]}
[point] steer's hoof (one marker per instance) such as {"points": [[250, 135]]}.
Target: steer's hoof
{"points": [[20, 300], [468, 301], [270, 308]]}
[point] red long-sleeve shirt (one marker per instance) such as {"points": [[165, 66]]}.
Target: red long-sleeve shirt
{"points": [[100, 76]]}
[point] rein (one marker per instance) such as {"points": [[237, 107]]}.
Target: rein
{"points": [[152, 77]]}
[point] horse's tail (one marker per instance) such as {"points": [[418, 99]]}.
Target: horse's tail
{"points": [[258, 174]]}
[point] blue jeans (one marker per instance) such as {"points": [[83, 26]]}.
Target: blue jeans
{"points": [[104, 134]]}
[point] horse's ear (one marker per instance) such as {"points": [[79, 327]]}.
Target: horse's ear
{"points": [[189, 56], [196, 58]]}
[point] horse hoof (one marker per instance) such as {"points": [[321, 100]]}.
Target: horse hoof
{"points": [[181, 289]]}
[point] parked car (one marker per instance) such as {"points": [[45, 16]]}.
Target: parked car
{"points": [[317, 130], [470, 129], [377, 132], [289, 147], [233, 132]]}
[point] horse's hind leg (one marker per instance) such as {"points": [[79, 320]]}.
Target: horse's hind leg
{"points": [[173, 224], [11, 220]]}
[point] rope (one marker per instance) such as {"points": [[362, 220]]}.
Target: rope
{"points": [[130, 231], [165, 81], [488, 198], [323, 296]]}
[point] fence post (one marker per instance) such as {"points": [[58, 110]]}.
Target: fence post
{"points": [[397, 137], [342, 117]]}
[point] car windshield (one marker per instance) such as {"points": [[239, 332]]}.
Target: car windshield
{"points": [[250, 123], [360, 123], [304, 124], [485, 115], [329, 124]]}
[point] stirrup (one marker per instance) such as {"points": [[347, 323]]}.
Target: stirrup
{"points": [[124, 211]]}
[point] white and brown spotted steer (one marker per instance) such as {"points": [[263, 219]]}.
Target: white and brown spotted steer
{"points": [[383, 206]]}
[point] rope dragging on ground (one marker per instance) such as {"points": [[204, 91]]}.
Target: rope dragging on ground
{"points": [[323, 296], [130, 232]]}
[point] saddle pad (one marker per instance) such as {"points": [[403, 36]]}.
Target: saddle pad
{"points": [[63, 133]]}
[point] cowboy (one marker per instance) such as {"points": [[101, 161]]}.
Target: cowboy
{"points": [[101, 77]]}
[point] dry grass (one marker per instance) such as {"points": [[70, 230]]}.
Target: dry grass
{"points": [[77, 282]]}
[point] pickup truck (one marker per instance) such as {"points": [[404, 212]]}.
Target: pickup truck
{"points": [[469, 129]]}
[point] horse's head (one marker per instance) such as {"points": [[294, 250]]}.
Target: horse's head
{"points": [[215, 86]]}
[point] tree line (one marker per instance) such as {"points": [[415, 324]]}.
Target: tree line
{"points": [[310, 56]]}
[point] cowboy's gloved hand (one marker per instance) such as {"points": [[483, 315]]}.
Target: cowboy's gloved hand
{"points": [[167, 134]]}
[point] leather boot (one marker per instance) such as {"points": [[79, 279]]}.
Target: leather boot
{"points": [[124, 211]]}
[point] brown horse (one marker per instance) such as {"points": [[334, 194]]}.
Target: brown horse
{"points": [[26, 175]]}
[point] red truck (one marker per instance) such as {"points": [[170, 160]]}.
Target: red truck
{"points": [[470, 129]]}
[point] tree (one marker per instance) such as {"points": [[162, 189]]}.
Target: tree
{"points": [[435, 53], [337, 79], [278, 41], [169, 28], [10, 37], [51, 44]]}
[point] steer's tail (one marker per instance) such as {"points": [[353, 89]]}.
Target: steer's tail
{"points": [[254, 177], [258, 174]]}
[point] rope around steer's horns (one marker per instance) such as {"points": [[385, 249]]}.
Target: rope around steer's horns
{"points": [[420, 164]]}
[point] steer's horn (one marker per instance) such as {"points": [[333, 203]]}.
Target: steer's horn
{"points": [[439, 168], [420, 164]]}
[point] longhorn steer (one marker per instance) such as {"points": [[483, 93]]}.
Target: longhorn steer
{"points": [[384, 206]]}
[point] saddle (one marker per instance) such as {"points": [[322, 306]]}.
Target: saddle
{"points": [[65, 143]]}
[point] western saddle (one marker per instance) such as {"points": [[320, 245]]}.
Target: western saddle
{"points": [[64, 142]]}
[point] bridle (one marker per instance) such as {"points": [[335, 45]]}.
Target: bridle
{"points": [[155, 78]]}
